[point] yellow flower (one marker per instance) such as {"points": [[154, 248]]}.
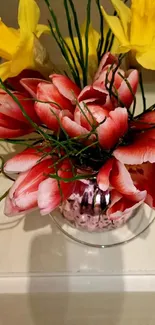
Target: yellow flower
{"points": [[93, 39], [17, 46], [135, 29]]}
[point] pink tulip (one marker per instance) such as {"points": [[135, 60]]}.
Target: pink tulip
{"points": [[25, 160], [12, 121], [124, 93], [15, 82], [125, 196], [33, 186], [53, 98]]}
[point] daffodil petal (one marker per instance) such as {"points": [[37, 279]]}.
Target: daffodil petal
{"points": [[93, 39], [8, 41], [16, 32], [115, 44], [28, 16], [24, 58], [42, 29], [124, 13], [147, 59], [116, 27], [5, 69], [142, 25]]}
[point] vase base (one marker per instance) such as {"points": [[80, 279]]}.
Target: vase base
{"points": [[141, 219]]}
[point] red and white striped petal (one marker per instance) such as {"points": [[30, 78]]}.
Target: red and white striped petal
{"points": [[31, 84], [51, 193], [25, 160], [108, 74], [72, 128], [145, 121], [33, 177], [26, 202], [66, 87], [121, 180], [9, 209], [89, 115], [48, 115], [104, 174], [140, 151], [48, 92], [23, 193], [113, 128], [122, 207], [10, 108], [93, 92], [107, 59], [11, 123], [143, 176], [9, 133], [124, 93]]}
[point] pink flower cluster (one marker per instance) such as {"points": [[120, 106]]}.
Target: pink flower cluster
{"points": [[129, 172]]}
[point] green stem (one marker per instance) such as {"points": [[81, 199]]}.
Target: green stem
{"points": [[101, 41], [87, 41], [4, 195], [142, 91]]}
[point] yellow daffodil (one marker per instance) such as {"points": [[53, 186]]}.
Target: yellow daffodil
{"points": [[18, 47], [93, 39], [135, 29]]}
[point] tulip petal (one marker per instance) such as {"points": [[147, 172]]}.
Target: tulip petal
{"points": [[33, 178], [143, 176], [121, 180], [89, 115], [123, 207], [9, 209], [66, 87], [11, 123], [9, 133], [48, 115], [104, 174], [51, 192], [93, 91], [107, 59], [140, 151], [108, 74], [72, 128], [25, 160], [10, 108], [49, 93], [31, 84], [124, 93], [27, 201], [113, 128], [144, 121]]}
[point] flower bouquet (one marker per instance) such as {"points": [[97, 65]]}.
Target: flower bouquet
{"points": [[90, 153]]}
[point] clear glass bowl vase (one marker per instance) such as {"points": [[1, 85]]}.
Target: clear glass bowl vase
{"points": [[84, 219]]}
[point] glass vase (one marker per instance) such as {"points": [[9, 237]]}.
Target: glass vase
{"points": [[83, 218]]}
